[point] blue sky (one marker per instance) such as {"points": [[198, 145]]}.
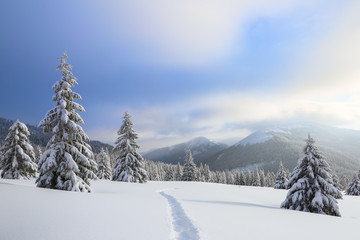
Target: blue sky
{"points": [[219, 69]]}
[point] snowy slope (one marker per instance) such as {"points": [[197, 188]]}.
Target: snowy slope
{"points": [[164, 210], [200, 147], [266, 148], [257, 137]]}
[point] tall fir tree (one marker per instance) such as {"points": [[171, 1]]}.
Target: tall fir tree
{"points": [[129, 166], [189, 171], [353, 187], [18, 158], [104, 165], [281, 178], [68, 161], [311, 186]]}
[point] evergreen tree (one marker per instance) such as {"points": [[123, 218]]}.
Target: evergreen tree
{"points": [[242, 179], [220, 177], [262, 177], [339, 187], [229, 177], [169, 174], [311, 188], [354, 187], [248, 178], [104, 165], [178, 172], [345, 180], [18, 158], [206, 173], [189, 171], [129, 166], [281, 178], [256, 178], [270, 179], [68, 162], [38, 153], [200, 173]]}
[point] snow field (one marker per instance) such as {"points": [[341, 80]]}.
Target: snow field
{"points": [[164, 210]]}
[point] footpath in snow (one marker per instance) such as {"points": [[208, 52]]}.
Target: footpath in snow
{"points": [[182, 227]]}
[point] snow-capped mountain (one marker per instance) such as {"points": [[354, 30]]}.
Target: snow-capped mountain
{"points": [[266, 148], [201, 149]]}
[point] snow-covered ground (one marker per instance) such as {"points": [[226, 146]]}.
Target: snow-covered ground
{"points": [[164, 210]]}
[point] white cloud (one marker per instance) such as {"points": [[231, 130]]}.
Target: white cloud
{"points": [[188, 33], [324, 87]]}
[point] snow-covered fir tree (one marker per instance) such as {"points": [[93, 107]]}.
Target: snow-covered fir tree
{"points": [[206, 173], [270, 179], [104, 165], [152, 170], [311, 188], [237, 178], [189, 171], [68, 161], [281, 178], [262, 177], [178, 172], [242, 178], [18, 158], [256, 178], [38, 153], [200, 173], [220, 177], [229, 177], [129, 166], [169, 173], [354, 186], [336, 183]]}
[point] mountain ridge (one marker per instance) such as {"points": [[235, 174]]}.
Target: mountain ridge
{"points": [[266, 148], [200, 147]]}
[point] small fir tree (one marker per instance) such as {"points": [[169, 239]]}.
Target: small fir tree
{"points": [[68, 161], [354, 187], [104, 165], [256, 178], [189, 171], [339, 187], [311, 188], [178, 172], [262, 177], [129, 166], [18, 158], [281, 178], [206, 173], [229, 177], [38, 153]]}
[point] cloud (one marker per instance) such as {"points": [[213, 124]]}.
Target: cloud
{"points": [[323, 86], [231, 117], [186, 33]]}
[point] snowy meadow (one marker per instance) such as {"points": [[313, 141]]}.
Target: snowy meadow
{"points": [[164, 210]]}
